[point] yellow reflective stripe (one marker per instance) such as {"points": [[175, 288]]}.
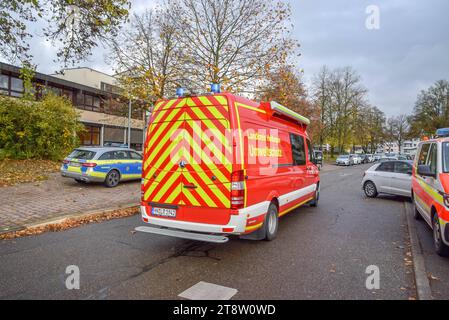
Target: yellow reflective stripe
{"points": [[204, 138], [161, 127], [294, 207], [166, 186], [205, 178], [431, 191], [222, 100], [204, 100], [210, 125], [200, 190], [238, 104], [174, 194], [191, 198], [157, 106], [163, 141], [257, 226], [171, 163]]}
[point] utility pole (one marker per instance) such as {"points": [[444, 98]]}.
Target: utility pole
{"points": [[129, 124]]}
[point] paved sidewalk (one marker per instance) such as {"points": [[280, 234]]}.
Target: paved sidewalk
{"points": [[34, 202]]}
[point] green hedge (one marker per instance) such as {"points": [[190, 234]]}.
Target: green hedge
{"points": [[46, 129]]}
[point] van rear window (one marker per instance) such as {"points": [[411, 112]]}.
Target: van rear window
{"points": [[446, 157], [82, 154]]}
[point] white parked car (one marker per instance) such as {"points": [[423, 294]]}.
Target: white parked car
{"points": [[357, 158], [393, 177], [345, 160]]}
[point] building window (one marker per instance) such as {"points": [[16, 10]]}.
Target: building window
{"points": [[11, 86], [88, 102], [90, 136]]}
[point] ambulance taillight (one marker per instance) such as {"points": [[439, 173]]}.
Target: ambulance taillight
{"points": [[238, 189]]}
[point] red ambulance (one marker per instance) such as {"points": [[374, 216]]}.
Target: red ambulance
{"points": [[430, 187], [219, 164]]}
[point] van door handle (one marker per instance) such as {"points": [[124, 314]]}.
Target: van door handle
{"points": [[190, 187]]}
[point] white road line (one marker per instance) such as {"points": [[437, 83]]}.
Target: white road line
{"points": [[208, 291]]}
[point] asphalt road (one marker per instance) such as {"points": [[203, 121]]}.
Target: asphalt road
{"points": [[320, 253]]}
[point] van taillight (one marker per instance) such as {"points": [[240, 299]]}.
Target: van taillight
{"points": [[89, 164], [237, 189]]}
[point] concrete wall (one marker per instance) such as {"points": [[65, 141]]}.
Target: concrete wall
{"points": [[87, 77]]}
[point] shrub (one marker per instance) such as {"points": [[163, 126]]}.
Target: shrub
{"points": [[44, 129]]}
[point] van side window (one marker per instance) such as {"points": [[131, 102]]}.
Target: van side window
{"points": [[298, 150], [423, 154], [311, 154], [432, 161]]}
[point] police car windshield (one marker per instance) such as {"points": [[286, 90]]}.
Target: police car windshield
{"points": [[82, 154], [344, 156], [446, 157]]}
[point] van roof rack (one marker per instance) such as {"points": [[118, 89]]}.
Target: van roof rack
{"points": [[280, 109]]}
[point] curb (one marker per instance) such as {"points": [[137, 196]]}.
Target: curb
{"points": [[62, 218], [423, 290]]}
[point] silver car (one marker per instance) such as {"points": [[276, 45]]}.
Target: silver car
{"points": [[392, 177]]}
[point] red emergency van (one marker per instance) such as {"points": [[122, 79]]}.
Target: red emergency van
{"points": [[430, 187], [219, 164]]}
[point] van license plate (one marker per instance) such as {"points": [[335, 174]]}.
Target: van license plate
{"points": [[163, 212]]}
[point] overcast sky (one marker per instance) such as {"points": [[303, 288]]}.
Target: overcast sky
{"points": [[408, 53]]}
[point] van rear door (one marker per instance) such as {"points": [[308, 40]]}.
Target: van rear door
{"points": [[188, 158]]}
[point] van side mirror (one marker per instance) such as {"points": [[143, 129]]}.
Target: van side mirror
{"points": [[425, 171]]}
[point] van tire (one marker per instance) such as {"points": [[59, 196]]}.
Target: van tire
{"points": [[271, 223], [112, 179], [416, 214], [314, 202], [440, 247]]}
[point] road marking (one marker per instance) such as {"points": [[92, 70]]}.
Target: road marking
{"points": [[421, 280], [208, 291]]}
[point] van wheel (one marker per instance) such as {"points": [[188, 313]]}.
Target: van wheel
{"points": [[440, 247], [314, 202], [370, 189], [112, 179], [271, 223]]}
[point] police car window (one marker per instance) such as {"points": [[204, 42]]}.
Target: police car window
{"points": [[402, 167], [432, 159], [446, 157], [298, 150], [106, 156], [121, 155], [422, 159], [386, 167], [135, 156], [82, 154]]}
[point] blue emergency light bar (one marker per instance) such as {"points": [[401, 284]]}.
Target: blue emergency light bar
{"points": [[443, 132], [180, 92], [215, 88]]}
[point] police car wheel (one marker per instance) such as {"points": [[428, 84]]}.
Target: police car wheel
{"points": [[112, 179], [440, 247], [271, 222], [370, 189], [80, 181]]}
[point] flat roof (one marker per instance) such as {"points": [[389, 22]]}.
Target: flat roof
{"points": [[55, 80]]}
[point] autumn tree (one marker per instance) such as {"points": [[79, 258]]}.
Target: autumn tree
{"points": [[75, 26], [341, 99], [147, 56], [284, 86], [398, 129], [431, 110], [232, 42]]}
